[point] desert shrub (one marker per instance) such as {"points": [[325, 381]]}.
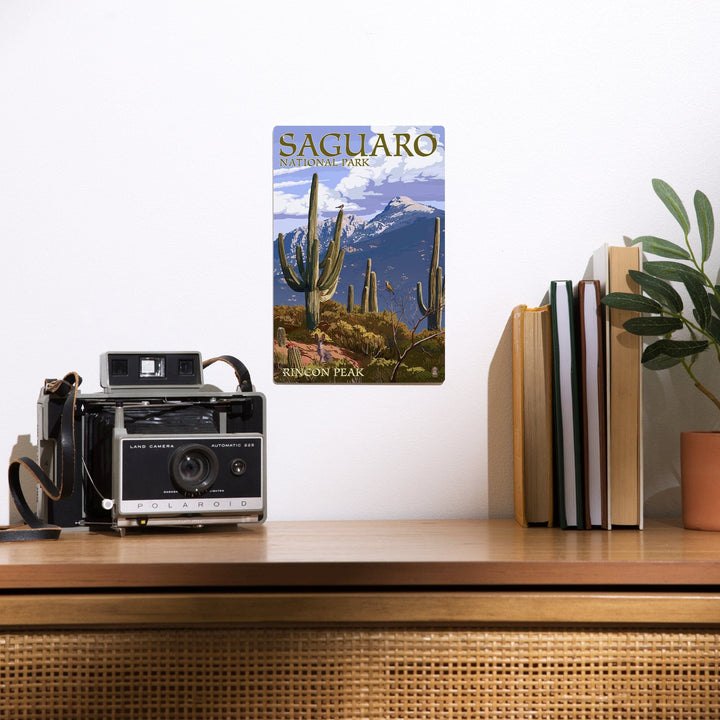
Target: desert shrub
{"points": [[290, 317], [371, 344], [343, 332], [280, 357], [379, 370], [356, 338]]}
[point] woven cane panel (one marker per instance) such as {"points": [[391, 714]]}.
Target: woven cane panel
{"points": [[320, 673]]}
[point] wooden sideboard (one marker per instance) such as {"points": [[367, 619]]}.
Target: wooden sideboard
{"points": [[366, 619]]}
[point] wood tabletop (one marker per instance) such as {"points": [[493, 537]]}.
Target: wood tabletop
{"points": [[401, 555]]}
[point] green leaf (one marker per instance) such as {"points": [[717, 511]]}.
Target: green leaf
{"points": [[714, 329], [661, 362], [673, 349], [673, 203], [663, 248], [706, 222], [699, 297], [631, 301], [669, 270], [658, 290], [652, 325], [714, 303]]}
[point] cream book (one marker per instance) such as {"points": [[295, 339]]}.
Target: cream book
{"points": [[623, 389]]}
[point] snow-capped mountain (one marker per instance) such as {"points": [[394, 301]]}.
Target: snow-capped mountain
{"points": [[399, 212], [398, 241], [352, 229]]}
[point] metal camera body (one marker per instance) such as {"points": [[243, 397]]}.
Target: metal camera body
{"points": [[158, 447]]}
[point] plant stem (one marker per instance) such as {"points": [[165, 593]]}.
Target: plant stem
{"points": [[708, 394], [700, 386], [692, 254]]}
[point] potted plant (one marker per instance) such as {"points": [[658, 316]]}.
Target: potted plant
{"points": [[664, 317]]}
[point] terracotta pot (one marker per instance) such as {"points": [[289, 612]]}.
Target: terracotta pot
{"points": [[700, 480]]}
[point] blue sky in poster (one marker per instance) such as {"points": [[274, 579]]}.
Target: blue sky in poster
{"points": [[364, 182]]}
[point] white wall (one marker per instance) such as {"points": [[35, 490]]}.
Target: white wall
{"points": [[136, 204]]}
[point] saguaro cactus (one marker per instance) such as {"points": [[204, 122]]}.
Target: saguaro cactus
{"points": [[316, 278], [436, 289], [350, 299], [294, 358], [368, 301]]}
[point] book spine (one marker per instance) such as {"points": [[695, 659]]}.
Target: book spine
{"points": [[625, 397], [567, 423], [518, 416]]}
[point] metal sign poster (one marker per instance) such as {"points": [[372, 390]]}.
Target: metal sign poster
{"points": [[358, 254]]}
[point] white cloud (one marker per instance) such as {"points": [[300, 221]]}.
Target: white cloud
{"points": [[288, 204], [291, 183], [285, 203], [287, 171], [329, 199], [361, 181]]}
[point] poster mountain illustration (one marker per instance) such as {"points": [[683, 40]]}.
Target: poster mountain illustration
{"points": [[358, 255]]}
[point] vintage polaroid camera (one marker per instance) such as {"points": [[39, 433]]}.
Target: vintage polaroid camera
{"points": [[157, 446]]}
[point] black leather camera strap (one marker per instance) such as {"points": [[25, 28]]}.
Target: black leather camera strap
{"points": [[241, 372], [34, 528]]}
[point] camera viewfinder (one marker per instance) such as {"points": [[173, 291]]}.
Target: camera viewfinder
{"points": [[186, 367], [153, 367], [119, 367]]}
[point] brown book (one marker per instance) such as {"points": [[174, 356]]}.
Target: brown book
{"points": [[624, 395], [532, 415]]}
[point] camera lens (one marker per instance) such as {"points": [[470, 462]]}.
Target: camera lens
{"points": [[193, 469]]}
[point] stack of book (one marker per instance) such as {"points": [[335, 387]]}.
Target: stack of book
{"points": [[577, 404]]}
